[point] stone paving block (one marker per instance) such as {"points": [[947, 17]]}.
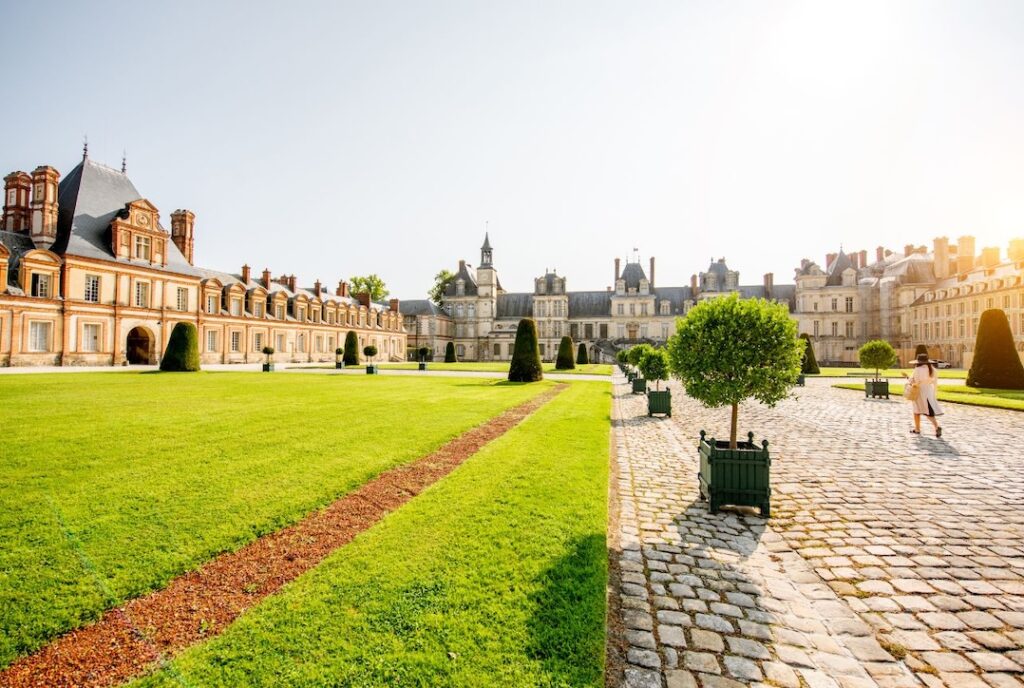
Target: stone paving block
{"points": [[680, 678], [644, 658], [703, 662], [642, 678], [742, 668], [671, 635]]}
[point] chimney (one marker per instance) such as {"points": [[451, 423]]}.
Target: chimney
{"points": [[990, 257], [17, 216], [291, 282], [462, 265], [340, 291], [964, 254], [182, 232], [694, 287], [650, 277], [880, 254], [344, 288], [1016, 251], [908, 249], [863, 259], [363, 298], [769, 284], [940, 248], [829, 259], [393, 305], [44, 205], [246, 273], [854, 258], [266, 279], [617, 263], [317, 288]]}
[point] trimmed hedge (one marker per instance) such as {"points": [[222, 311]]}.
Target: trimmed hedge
{"points": [[351, 356], [182, 354], [996, 363], [525, 366], [809, 364], [449, 353], [564, 360], [369, 351], [582, 357]]}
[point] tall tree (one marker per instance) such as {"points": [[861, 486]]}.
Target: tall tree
{"points": [[370, 284], [441, 282]]}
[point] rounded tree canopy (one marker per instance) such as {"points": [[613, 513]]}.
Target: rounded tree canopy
{"points": [[370, 351], [339, 351], [877, 354], [622, 356], [637, 352], [268, 350], [654, 364]]}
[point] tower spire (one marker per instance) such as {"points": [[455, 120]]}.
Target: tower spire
{"points": [[85, 147], [124, 161]]}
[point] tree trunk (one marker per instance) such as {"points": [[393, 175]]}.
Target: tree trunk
{"points": [[732, 429]]}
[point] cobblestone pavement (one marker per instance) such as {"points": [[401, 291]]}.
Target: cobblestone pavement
{"points": [[890, 559]]}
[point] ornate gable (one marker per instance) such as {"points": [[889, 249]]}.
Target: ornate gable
{"points": [[135, 234]]}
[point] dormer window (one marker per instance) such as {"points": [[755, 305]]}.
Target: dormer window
{"points": [[460, 288], [142, 247], [211, 304], [236, 307], [40, 285]]}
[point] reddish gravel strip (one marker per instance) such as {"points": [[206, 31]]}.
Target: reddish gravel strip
{"points": [[202, 603]]}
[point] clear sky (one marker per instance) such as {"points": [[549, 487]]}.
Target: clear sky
{"points": [[328, 139]]}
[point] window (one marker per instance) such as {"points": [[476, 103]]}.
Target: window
{"points": [[835, 329], [643, 309], [211, 340], [815, 305], [665, 307], [40, 285], [211, 304], [92, 288], [632, 309], [142, 248], [236, 341], [302, 343], [963, 329], [849, 330], [182, 299], [257, 309], [849, 304], [621, 310], [541, 345], [257, 341], [604, 331], [236, 306], [330, 317], [835, 304], [39, 336], [314, 312], [458, 310], [643, 332], [497, 350], [460, 350], [949, 329], [664, 331], [280, 343], [621, 332], [318, 343], [90, 337], [279, 311], [142, 294], [470, 311], [817, 327]]}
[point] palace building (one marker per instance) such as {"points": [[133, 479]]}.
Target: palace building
{"points": [[482, 317], [90, 276]]}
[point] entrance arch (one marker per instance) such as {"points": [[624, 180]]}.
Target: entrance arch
{"points": [[139, 347]]}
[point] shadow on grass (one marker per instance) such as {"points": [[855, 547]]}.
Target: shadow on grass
{"points": [[567, 627]]}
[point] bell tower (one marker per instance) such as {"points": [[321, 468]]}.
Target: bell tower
{"points": [[487, 288], [17, 189], [182, 230], [485, 252], [44, 205]]}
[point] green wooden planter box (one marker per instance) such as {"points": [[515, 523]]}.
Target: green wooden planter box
{"points": [[338, 365], [800, 380], [876, 389], [659, 402], [639, 385], [268, 367], [371, 369], [422, 365], [735, 476]]}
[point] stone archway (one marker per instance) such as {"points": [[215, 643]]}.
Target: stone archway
{"points": [[139, 346]]}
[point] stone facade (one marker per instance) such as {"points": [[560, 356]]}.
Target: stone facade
{"points": [[88, 276], [914, 297]]}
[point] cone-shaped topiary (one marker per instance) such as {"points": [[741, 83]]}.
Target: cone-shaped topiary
{"points": [[351, 356], [525, 366], [582, 357], [877, 354], [182, 354], [449, 353], [564, 360], [809, 366], [996, 362]]}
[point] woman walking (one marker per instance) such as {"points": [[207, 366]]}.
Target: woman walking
{"points": [[926, 403]]}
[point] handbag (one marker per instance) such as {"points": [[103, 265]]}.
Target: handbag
{"points": [[911, 392]]}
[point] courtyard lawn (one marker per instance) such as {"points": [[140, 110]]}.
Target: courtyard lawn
{"points": [[946, 373], [114, 484], [495, 576], [1012, 400], [490, 367]]}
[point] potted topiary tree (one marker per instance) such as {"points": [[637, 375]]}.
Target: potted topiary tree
{"points": [[808, 363], [182, 353], [727, 350], [877, 354], [268, 365], [351, 355], [622, 356], [525, 365], [996, 363], [449, 353], [654, 366], [564, 359], [634, 356], [423, 352], [582, 357], [339, 360], [370, 351]]}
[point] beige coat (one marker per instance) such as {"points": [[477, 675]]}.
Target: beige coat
{"points": [[927, 385]]}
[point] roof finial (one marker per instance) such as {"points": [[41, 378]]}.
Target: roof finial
{"points": [[124, 161], [85, 147]]}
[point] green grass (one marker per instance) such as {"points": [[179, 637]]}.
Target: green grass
{"points": [[494, 576], [490, 367], [114, 484], [947, 373], [1012, 400]]}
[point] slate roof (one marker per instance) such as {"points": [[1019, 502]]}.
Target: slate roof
{"points": [[421, 307], [586, 304], [677, 296], [18, 245], [516, 305], [836, 269], [633, 273], [467, 275], [718, 267], [89, 198]]}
